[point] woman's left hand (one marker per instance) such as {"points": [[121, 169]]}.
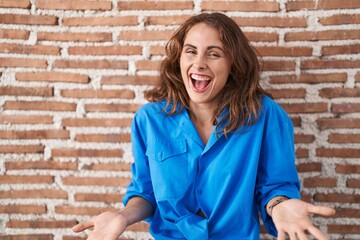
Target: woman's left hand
{"points": [[291, 218]]}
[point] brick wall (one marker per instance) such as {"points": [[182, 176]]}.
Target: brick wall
{"points": [[73, 73]]}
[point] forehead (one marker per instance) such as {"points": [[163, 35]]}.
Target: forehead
{"points": [[203, 34]]}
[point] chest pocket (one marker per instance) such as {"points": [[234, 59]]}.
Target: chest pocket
{"points": [[169, 168]]}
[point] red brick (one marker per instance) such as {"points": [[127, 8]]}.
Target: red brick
{"points": [[296, 121], [262, 36], [40, 223], [304, 138], [89, 211], [155, 5], [254, 6], [343, 229], [74, 5], [344, 138], [101, 21], [25, 119], [129, 79], [315, 182], [287, 93], [96, 181], [357, 77], [124, 137], [26, 91], [329, 64], [28, 19], [310, 78], [340, 19], [338, 152], [339, 92], [104, 107], [321, 4], [157, 50], [27, 236], [40, 106], [119, 166], [21, 148], [14, 33], [96, 122], [285, 51], [105, 50], [302, 153], [52, 77], [343, 49], [36, 193], [347, 168], [272, 65], [35, 134], [347, 213], [345, 107], [317, 107], [26, 179], [329, 123], [89, 153], [148, 65], [15, 4], [322, 35], [145, 35], [94, 64], [353, 183], [279, 22], [74, 37], [337, 197], [52, 165], [309, 167], [89, 93], [22, 62], [29, 49], [98, 197], [23, 209], [165, 20]]}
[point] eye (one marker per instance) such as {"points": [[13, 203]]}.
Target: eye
{"points": [[214, 54], [190, 51]]}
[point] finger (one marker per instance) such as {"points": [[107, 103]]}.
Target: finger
{"points": [[321, 210], [82, 226], [317, 233], [301, 235], [281, 235]]}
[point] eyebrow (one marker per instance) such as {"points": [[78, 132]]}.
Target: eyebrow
{"points": [[208, 48]]}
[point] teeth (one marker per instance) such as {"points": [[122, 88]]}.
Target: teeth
{"points": [[199, 78]]}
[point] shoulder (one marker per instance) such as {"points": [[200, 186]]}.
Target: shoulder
{"points": [[272, 109]]}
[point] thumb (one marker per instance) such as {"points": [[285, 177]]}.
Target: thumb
{"points": [[82, 226], [320, 210]]}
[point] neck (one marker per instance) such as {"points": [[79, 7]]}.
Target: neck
{"points": [[202, 114]]}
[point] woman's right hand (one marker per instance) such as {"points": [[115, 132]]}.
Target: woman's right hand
{"points": [[106, 226]]}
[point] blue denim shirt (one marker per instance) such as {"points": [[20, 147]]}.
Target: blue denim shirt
{"points": [[230, 179]]}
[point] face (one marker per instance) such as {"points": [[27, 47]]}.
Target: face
{"points": [[204, 65]]}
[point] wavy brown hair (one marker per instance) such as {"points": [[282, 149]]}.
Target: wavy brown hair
{"points": [[242, 92]]}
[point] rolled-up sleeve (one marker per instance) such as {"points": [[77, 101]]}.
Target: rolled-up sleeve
{"points": [[140, 185], [277, 174]]}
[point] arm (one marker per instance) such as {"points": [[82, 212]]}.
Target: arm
{"points": [[291, 217], [110, 225]]}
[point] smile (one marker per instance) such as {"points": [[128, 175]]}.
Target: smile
{"points": [[200, 82]]}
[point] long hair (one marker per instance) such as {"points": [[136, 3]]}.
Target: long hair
{"points": [[242, 93]]}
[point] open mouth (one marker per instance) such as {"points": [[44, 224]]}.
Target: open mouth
{"points": [[200, 82]]}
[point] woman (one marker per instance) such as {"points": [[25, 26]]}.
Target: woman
{"points": [[211, 149]]}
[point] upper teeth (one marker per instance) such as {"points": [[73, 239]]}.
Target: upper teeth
{"points": [[199, 77]]}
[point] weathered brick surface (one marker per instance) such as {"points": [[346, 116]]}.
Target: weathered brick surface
{"points": [[73, 72]]}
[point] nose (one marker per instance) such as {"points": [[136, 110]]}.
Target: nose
{"points": [[199, 63]]}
